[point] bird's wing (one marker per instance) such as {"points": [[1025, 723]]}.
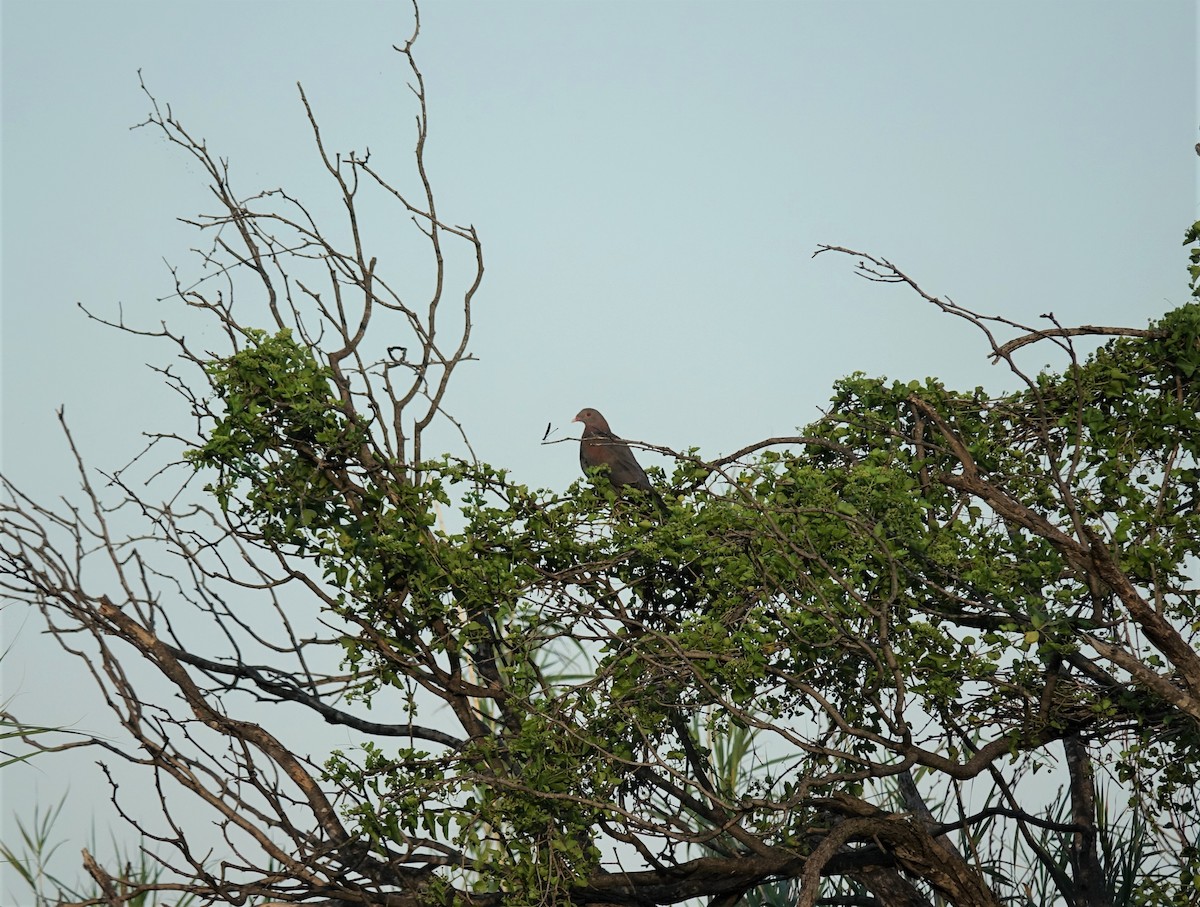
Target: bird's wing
{"points": [[601, 447]]}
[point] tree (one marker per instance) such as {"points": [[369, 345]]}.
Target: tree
{"points": [[825, 675]]}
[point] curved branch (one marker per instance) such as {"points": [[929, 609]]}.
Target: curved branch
{"points": [[1005, 349]]}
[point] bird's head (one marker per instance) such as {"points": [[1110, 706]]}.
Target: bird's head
{"points": [[591, 419]]}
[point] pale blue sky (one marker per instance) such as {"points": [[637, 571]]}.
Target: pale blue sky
{"points": [[649, 180]]}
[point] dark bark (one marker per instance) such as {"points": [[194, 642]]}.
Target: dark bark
{"points": [[1090, 887]]}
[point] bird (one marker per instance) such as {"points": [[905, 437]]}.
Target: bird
{"points": [[600, 447]]}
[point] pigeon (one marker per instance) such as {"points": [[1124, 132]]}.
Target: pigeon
{"points": [[600, 447]]}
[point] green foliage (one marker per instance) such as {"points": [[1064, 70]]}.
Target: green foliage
{"points": [[835, 589], [1192, 238], [281, 440]]}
